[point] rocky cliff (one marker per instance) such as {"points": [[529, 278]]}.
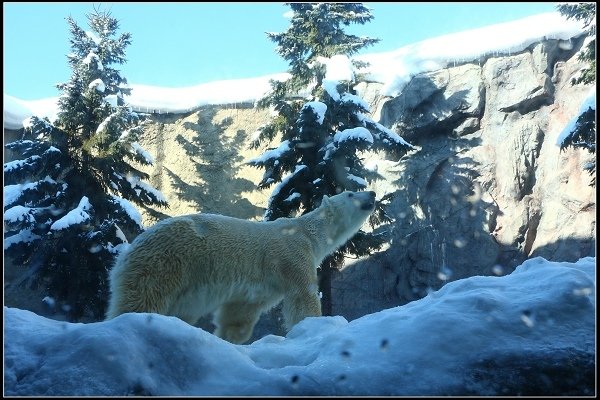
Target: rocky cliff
{"points": [[487, 188]]}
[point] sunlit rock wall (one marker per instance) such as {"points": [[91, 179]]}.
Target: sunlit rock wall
{"points": [[200, 162], [489, 187]]}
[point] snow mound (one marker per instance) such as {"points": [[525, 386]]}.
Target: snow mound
{"points": [[483, 335]]}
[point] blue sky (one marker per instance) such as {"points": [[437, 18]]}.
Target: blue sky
{"points": [[185, 44]]}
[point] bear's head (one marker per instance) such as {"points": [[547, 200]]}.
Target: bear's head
{"points": [[345, 213]]}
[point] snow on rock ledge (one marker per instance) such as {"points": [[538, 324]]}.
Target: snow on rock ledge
{"points": [[393, 69]]}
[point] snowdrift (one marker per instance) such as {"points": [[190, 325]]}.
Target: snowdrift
{"points": [[528, 333]]}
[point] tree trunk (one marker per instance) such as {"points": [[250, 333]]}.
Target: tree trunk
{"points": [[325, 288]]}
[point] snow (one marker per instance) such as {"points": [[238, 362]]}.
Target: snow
{"points": [[438, 345], [25, 236], [283, 183], [19, 213], [136, 183], [141, 151], [358, 133], [388, 133], [102, 125], [319, 109], [93, 57], [352, 98], [118, 248], [393, 69], [292, 197], [360, 181], [331, 89], [13, 192], [111, 99], [16, 164], [120, 234], [339, 68], [180, 100], [430, 346], [93, 36], [569, 129], [16, 111], [133, 213], [272, 154], [98, 84], [77, 215]]}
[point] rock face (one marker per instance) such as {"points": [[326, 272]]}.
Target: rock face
{"points": [[487, 188], [199, 162]]}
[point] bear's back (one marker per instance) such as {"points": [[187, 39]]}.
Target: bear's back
{"points": [[203, 233]]}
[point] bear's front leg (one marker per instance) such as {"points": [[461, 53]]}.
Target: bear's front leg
{"points": [[235, 321], [300, 305]]}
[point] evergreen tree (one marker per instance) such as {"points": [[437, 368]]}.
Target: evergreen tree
{"points": [[584, 132], [67, 210], [585, 12], [324, 126]]}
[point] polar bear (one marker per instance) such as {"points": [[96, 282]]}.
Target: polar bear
{"points": [[192, 265]]}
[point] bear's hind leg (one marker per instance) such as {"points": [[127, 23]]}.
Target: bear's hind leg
{"points": [[299, 306], [235, 321]]}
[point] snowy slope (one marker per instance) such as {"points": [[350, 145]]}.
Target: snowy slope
{"points": [[394, 69], [531, 332]]}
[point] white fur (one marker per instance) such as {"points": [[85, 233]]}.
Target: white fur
{"points": [[192, 265]]}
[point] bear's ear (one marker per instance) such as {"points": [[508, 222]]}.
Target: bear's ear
{"points": [[325, 200]]}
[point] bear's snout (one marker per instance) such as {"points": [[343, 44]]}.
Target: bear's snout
{"points": [[369, 202]]}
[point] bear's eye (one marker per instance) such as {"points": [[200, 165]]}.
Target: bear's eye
{"points": [[350, 194]]}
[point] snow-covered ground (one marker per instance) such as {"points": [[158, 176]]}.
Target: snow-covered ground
{"points": [[394, 69], [531, 333]]}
